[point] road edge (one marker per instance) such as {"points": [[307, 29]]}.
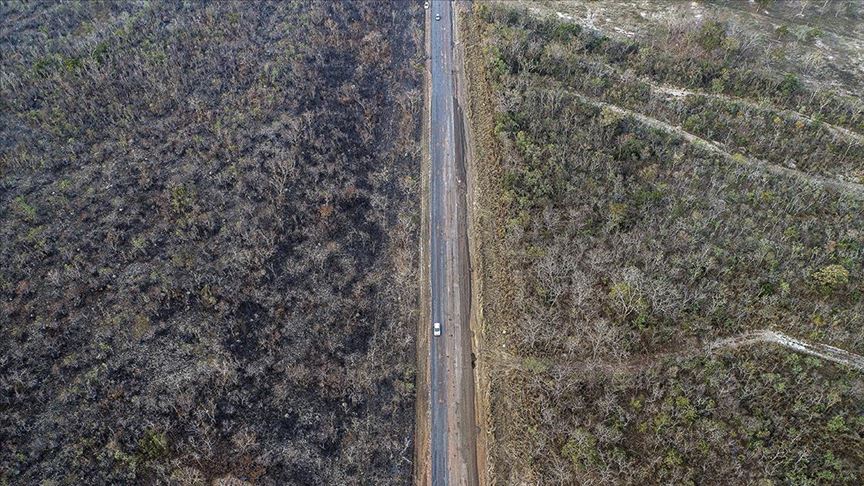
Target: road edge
{"points": [[422, 425], [465, 91]]}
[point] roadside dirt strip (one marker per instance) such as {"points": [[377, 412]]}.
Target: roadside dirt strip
{"points": [[447, 455], [463, 13], [422, 426]]}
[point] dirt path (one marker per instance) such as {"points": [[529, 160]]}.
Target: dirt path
{"points": [[848, 189], [508, 363], [824, 351], [675, 91]]}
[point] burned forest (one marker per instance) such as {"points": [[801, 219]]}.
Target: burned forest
{"points": [[209, 222]]}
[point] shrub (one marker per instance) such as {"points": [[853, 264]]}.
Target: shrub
{"points": [[711, 35], [831, 277], [27, 211], [628, 301], [153, 445], [790, 85], [837, 425], [535, 365], [812, 34], [581, 449], [617, 213]]}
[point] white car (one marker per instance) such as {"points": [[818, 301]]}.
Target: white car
{"points": [[436, 329], [437, 16]]}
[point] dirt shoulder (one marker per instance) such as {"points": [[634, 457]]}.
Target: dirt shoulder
{"points": [[482, 166], [422, 452], [463, 41]]}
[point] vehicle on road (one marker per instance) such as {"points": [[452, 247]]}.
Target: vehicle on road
{"points": [[437, 16], [436, 329]]}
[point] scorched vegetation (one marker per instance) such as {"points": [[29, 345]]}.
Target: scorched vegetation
{"points": [[208, 233]]}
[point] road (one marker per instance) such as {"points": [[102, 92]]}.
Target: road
{"points": [[453, 426]]}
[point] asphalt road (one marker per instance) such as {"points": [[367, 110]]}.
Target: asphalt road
{"points": [[453, 434]]}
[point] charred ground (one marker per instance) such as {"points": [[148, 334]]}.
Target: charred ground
{"points": [[209, 229]]}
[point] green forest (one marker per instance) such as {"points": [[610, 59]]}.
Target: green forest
{"points": [[642, 202]]}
